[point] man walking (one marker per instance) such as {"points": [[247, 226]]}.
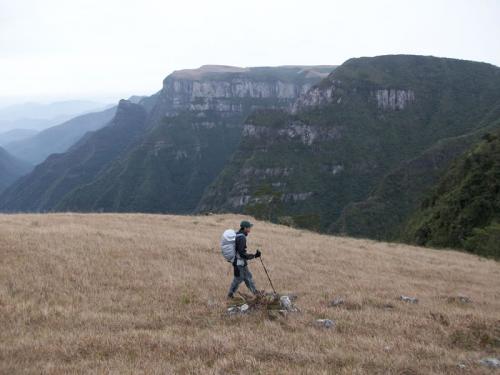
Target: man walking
{"points": [[240, 266]]}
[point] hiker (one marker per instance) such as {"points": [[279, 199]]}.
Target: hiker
{"points": [[240, 266]]}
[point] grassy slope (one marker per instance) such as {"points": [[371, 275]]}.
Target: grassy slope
{"points": [[131, 293]]}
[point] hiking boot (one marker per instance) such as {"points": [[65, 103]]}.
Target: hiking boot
{"points": [[230, 296]]}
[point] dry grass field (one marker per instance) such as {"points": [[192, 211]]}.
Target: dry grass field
{"points": [[146, 294]]}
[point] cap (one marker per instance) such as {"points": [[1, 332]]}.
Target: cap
{"points": [[246, 224]]}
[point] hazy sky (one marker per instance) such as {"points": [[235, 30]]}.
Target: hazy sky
{"points": [[106, 49]]}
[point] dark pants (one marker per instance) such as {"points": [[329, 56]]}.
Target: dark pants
{"points": [[246, 276]]}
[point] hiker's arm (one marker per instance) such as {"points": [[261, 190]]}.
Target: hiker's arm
{"points": [[241, 248]]}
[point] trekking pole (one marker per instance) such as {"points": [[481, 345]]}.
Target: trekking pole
{"points": [[270, 282]]}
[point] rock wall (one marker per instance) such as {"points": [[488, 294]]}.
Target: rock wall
{"points": [[394, 99], [232, 90], [314, 97], [293, 131], [244, 189], [387, 99]]}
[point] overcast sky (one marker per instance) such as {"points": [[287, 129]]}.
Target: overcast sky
{"points": [[107, 49]]}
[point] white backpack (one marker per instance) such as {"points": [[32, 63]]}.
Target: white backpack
{"points": [[228, 244]]}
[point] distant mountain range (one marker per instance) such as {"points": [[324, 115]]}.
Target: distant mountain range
{"points": [[15, 135], [353, 149], [39, 116], [11, 169], [59, 138]]}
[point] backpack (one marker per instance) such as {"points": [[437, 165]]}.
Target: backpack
{"points": [[228, 244]]}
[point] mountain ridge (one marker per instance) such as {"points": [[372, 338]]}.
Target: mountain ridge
{"points": [[61, 173], [402, 114], [11, 169], [59, 138]]}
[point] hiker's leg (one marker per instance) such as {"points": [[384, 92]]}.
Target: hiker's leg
{"points": [[236, 282], [234, 285], [249, 280]]}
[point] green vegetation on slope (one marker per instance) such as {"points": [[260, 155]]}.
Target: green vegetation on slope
{"points": [[166, 172], [304, 169], [399, 193], [383, 214], [463, 211]]}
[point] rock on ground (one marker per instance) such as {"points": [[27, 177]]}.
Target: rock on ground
{"points": [[337, 302], [408, 299], [491, 362], [326, 323]]}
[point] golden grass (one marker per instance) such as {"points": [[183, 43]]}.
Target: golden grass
{"points": [[110, 293]]}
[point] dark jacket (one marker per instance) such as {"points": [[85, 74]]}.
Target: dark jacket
{"points": [[241, 248]]}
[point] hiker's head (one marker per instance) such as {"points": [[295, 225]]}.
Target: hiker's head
{"points": [[245, 226]]}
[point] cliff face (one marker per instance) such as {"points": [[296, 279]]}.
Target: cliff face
{"points": [[394, 99], [231, 90], [292, 131], [285, 168], [259, 133], [317, 96], [332, 89]]}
